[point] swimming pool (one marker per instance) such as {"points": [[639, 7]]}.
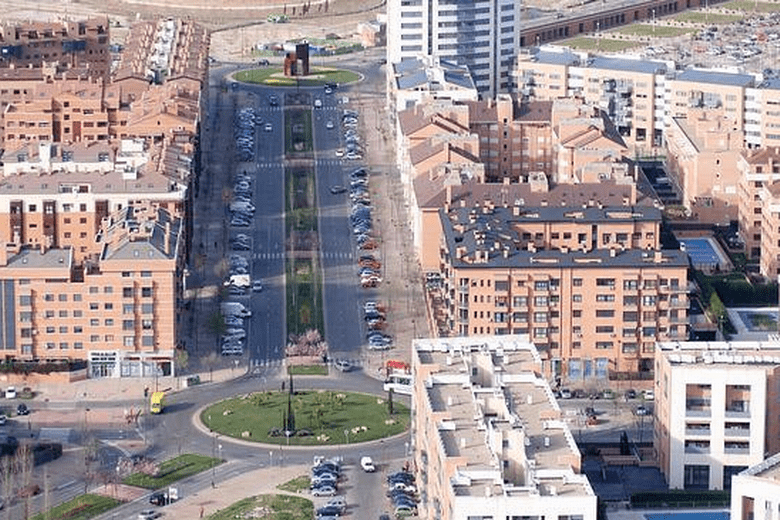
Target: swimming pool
{"points": [[703, 253], [689, 515]]}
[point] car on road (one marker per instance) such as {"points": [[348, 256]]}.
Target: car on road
{"points": [[257, 286], [149, 514], [273, 100], [329, 125], [158, 498], [642, 410], [367, 464], [566, 393], [649, 395], [339, 153], [333, 511], [317, 103], [343, 365], [268, 127], [338, 189], [22, 409]]}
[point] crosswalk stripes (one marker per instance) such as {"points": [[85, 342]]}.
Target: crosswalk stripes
{"points": [[257, 366], [278, 255]]}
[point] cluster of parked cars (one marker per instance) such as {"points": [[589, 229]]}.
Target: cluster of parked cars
{"points": [[241, 207], [325, 475], [353, 149], [361, 221], [244, 130], [402, 493], [374, 314], [233, 339]]}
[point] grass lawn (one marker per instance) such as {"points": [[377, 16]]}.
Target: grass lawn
{"points": [[308, 370], [80, 508], [304, 296], [602, 44], [657, 31], [297, 131], [172, 470], [326, 414], [710, 18], [318, 76], [274, 507], [749, 6], [295, 485]]}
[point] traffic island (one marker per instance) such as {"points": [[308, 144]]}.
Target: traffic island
{"points": [[307, 418], [317, 77], [271, 506]]}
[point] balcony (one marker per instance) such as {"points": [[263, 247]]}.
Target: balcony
{"points": [[698, 411], [737, 432], [697, 432], [697, 449], [735, 450]]}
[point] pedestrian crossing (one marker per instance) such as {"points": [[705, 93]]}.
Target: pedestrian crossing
{"points": [[338, 255], [268, 164], [259, 366]]}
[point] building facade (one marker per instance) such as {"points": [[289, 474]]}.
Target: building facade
{"points": [[716, 410], [755, 492], [489, 438], [481, 34], [591, 286]]}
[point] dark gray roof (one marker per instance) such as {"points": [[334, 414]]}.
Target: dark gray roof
{"points": [[772, 84], [643, 66], [461, 79], [412, 80], [407, 65], [717, 78], [497, 232], [565, 57]]}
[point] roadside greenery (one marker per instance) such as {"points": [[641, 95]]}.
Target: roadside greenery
{"points": [[709, 18], [82, 507], [308, 370], [295, 485], [750, 6], [274, 507], [320, 417], [653, 30], [172, 470], [600, 44]]}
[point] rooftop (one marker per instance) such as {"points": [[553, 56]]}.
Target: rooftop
{"points": [[769, 469], [487, 390], [716, 77], [628, 65], [711, 353]]}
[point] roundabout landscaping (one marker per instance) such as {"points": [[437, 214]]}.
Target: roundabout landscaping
{"points": [[318, 77], [319, 417]]}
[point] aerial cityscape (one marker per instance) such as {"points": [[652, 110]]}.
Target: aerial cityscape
{"points": [[374, 259]]}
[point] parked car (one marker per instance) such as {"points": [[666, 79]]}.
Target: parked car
{"points": [[159, 498], [367, 464], [343, 365], [642, 410], [149, 514], [323, 491], [10, 392], [22, 409]]}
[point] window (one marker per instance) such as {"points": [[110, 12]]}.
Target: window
{"points": [[540, 332], [605, 329], [576, 282], [63, 314], [519, 301], [576, 298], [540, 301], [128, 341], [146, 292], [108, 306], [147, 308], [62, 297], [146, 274], [540, 317], [605, 313], [696, 476], [63, 330], [605, 297], [648, 300], [109, 322], [108, 289], [541, 285], [127, 292], [77, 314], [605, 282], [128, 324], [147, 324], [128, 308], [48, 314]]}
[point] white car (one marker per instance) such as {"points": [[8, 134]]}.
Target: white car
{"points": [[317, 103], [339, 153], [10, 392], [649, 395], [268, 127], [329, 125], [257, 286], [367, 464]]}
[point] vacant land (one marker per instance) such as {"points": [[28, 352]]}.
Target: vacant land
{"points": [[600, 44], [172, 470], [653, 30], [268, 507]]}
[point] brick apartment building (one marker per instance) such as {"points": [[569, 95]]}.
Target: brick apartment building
{"points": [[489, 438], [716, 410], [95, 206], [79, 45], [591, 286]]}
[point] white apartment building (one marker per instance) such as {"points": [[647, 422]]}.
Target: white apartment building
{"points": [[716, 411], [643, 96], [481, 34], [489, 438], [755, 493]]}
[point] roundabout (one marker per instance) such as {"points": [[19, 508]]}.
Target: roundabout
{"points": [[317, 77], [306, 418]]}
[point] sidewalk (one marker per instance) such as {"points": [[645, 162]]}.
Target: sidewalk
{"points": [[209, 500]]}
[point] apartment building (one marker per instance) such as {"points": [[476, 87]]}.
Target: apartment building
{"points": [[118, 312], [630, 91], [59, 195], [716, 410], [72, 45], [425, 79], [755, 492], [590, 285], [642, 96], [702, 154], [758, 171], [480, 34], [489, 438]]}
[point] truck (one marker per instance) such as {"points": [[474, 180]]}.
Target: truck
{"points": [[239, 280], [157, 403]]}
